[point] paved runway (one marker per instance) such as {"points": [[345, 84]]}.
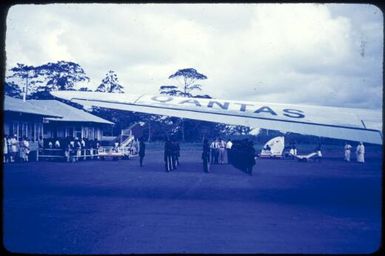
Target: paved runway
{"points": [[117, 207]]}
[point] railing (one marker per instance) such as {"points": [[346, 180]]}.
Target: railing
{"points": [[84, 154], [61, 154]]}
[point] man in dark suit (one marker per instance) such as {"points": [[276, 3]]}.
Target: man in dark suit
{"points": [[142, 151]]}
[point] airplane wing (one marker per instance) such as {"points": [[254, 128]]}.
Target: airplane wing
{"points": [[332, 122]]}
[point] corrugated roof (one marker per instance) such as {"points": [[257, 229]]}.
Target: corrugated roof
{"points": [[18, 105], [67, 112]]}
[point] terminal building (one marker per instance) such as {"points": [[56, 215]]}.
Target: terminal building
{"points": [[50, 119]]}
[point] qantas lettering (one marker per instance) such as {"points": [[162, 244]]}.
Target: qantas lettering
{"points": [[224, 105], [243, 107], [265, 109]]}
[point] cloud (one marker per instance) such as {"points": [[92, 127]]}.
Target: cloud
{"points": [[327, 54]]}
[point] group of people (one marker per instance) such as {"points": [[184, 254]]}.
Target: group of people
{"points": [[171, 154], [241, 154], [360, 152], [74, 148], [218, 150], [16, 149]]}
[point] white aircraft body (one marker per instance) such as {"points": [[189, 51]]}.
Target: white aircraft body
{"points": [[332, 122]]}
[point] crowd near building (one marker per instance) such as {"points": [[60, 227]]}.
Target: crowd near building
{"points": [[47, 124]]}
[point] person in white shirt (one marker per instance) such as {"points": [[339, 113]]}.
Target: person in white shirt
{"points": [[116, 146], [348, 149], [14, 148], [57, 144], [229, 144], [360, 153], [83, 143], [78, 146], [26, 149], [221, 151], [5, 152], [213, 151]]}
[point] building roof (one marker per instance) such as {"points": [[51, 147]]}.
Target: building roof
{"points": [[67, 112], [18, 105]]}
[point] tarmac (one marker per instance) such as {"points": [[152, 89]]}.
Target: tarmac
{"points": [[117, 207]]}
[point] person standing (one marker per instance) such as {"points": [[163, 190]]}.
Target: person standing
{"points": [[14, 148], [348, 149], [221, 151], [26, 149], [360, 153], [57, 144], [21, 149], [142, 150], [5, 160], [249, 157], [229, 145], [71, 151], [167, 155], [98, 148], [91, 145], [173, 151], [78, 147], [116, 146], [213, 151], [83, 150], [206, 156]]}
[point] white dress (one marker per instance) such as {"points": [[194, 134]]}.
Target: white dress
{"points": [[347, 152], [360, 152], [26, 149], [5, 146]]}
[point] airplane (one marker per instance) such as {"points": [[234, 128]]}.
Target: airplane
{"points": [[351, 124]]}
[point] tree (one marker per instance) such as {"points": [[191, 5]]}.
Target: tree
{"points": [[178, 126], [85, 89], [236, 130], [188, 76], [110, 84], [12, 89], [40, 80], [23, 74], [62, 75], [171, 90]]}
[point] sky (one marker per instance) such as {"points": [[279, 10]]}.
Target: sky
{"points": [[316, 54]]}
